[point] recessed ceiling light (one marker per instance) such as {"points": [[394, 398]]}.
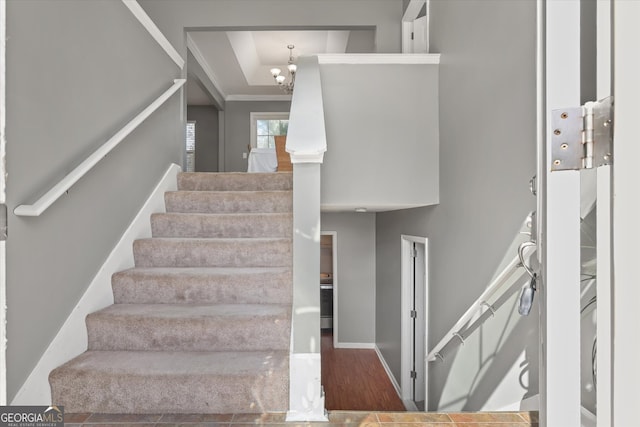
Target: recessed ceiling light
{"points": [[361, 209]]}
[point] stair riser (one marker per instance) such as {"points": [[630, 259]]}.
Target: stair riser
{"points": [[212, 253], [228, 202], [232, 225], [204, 334], [234, 182], [268, 288]]}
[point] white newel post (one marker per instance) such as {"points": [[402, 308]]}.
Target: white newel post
{"points": [[306, 143]]}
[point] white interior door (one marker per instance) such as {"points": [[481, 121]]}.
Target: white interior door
{"points": [[419, 326], [3, 265], [414, 328]]}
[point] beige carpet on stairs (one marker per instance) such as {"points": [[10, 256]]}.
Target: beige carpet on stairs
{"points": [[202, 323]]}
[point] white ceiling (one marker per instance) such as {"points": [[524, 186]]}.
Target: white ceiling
{"points": [[238, 62]]}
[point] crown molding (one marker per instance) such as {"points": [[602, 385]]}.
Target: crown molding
{"points": [[380, 58], [258, 98]]}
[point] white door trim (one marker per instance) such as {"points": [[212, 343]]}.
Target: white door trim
{"points": [[406, 292], [3, 259], [604, 288], [626, 211], [559, 237]]}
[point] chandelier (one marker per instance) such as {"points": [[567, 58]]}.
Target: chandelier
{"points": [[287, 86]]}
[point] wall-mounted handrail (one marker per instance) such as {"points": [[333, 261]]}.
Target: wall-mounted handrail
{"points": [[478, 304], [72, 177]]}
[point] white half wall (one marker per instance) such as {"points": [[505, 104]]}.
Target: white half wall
{"points": [[71, 339], [382, 128]]}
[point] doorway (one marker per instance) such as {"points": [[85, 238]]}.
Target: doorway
{"points": [[415, 297], [328, 283]]}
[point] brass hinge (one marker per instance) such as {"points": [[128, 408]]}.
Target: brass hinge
{"points": [[414, 314], [582, 137], [413, 374]]}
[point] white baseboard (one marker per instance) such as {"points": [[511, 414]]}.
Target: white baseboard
{"points": [[388, 370], [71, 339], [356, 345]]}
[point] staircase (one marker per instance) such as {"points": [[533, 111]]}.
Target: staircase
{"points": [[202, 323]]}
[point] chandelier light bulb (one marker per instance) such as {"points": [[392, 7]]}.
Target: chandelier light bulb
{"points": [[292, 68], [275, 72], [280, 79]]}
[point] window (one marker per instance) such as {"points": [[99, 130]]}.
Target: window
{"points": [[190, 147], [265, 126]]}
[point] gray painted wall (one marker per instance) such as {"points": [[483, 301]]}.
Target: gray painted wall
{"points": [[74, 78], [382, 136], [356, 274], [206, 119], [237, 129], [361, 41], [487, 156]]}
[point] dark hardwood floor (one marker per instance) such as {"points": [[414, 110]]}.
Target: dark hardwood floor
{"points": [[355, 380]]}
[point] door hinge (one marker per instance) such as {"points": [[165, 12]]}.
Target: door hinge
{"points": [[3, 222], [411, 35], [413, 375], [414, 314], [413, 253], [582, 137]]}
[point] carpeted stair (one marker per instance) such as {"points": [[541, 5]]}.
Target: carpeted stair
{"points": [[202, 323]]}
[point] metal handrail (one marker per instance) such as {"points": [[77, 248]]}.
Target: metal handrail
{"points": [[478, 304], [74, 176]]}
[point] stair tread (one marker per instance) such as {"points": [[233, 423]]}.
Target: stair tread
{"points": [[221, 285], [193, 311], [166, 363], [204, 271], [234, 180], [229, 201], [215, 239], [226, 214]]}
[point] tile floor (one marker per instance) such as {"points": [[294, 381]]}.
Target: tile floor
{"points": [[336, 418]]}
